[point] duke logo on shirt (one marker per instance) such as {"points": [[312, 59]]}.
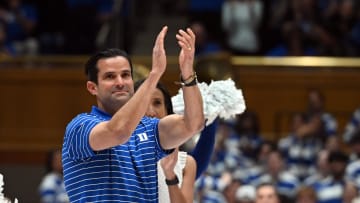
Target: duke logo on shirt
{"points": [[142, 137]]}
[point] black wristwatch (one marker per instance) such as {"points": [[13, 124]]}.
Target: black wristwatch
{"points": [[174, 181]]}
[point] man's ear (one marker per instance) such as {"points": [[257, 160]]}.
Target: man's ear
{"points": [[91, 87]]}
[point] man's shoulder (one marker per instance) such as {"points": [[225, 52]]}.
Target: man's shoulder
{"points": [[84, 118]]}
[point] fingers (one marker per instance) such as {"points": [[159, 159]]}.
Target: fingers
{"points": [[186, 40], [159, 42]]}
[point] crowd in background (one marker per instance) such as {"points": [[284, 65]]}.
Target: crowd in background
{"points": [[309, 164], [242, 27]]}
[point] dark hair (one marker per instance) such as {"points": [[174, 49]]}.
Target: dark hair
{"points": [[91, 69], [338, 156], [164, 91], [355, 138], [267, 184], [253, 117]]}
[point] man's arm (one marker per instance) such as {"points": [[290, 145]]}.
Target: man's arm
{"points": [[174, 130], [118, 130]]}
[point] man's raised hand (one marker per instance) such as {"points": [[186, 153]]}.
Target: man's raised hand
{"points": [[186, 40], [159, 55]]}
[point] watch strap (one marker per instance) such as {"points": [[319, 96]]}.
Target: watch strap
{"points": [[174, 181]]}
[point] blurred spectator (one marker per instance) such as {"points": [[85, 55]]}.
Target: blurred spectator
{"points": [[322, 168], [306, 195], [354, 146], [209, 14], [247, 138], [211, 196], [212, 189], [240, 20], [5, 48], [172, 7], [316, 110], [352, 125], [20, 20], [300, 148], [245, 194], [251, 173], [83, 22], [226, 155], [217, 163], [265, 148], [331, 189], [276, 12], [219, 183], [51, 26], [266, 193], [273, 172], [353, 168], [286, 183], [341, 20], [328, 8], [238, 145], [52, 188], [302, 31], [204, 45], [117, 24], [333, 143], [230, 192], [350, 192]]}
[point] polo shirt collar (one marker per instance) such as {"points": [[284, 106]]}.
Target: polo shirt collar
{"points": [[95, 110]]}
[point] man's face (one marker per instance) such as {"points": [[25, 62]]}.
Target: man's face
{"points": [[266, 194], [115, 85]]}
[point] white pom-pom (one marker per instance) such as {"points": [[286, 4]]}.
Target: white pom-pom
{"points": [[1, 187], [3, 199], [220, 99], [230, 98]]}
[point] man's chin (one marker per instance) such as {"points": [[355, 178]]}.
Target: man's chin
{"points": [[122, 98]]}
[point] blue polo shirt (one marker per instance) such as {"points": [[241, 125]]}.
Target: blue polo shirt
{"points": [[124, 173]]}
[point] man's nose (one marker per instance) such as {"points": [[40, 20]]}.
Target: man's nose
{"points": [[119, 80]]}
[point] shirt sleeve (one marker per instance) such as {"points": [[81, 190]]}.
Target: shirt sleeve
{"points": [[76, 142], [204, 148]]}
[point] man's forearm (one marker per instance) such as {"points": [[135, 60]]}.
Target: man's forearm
{"points": [[193, 112]]}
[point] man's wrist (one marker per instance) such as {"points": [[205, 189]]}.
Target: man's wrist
{"points": [[189, 81], [188, 77]]}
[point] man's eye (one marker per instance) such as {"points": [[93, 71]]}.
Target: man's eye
{"points": [[110, 76], [126, 75]]}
